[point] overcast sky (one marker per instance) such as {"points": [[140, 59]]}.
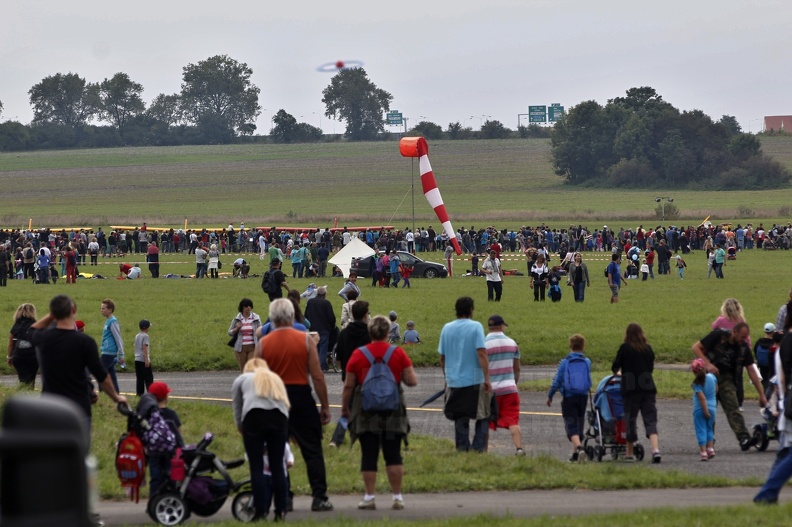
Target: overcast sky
{"points": [[443, 61]]}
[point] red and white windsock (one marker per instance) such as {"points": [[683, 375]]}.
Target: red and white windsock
{"points": [[417, 147]]}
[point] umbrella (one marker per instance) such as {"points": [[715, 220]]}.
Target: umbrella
{"points": [[432, 398]]}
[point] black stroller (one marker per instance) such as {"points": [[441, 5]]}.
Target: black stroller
{"points": [[197, 492]]}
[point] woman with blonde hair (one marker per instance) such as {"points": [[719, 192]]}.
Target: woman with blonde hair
{"points": [[731, 314], [261, 413], [21, 352]]}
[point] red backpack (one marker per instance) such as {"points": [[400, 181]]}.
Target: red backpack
{"points": [[131, 463]]}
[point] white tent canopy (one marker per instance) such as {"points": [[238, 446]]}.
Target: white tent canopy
{"points": [[354, 249]]}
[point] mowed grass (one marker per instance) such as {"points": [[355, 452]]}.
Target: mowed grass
{"points": [[190, 317], [500, 182]]}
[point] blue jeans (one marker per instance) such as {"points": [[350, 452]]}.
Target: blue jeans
{"points": [[297, 269], [108, 361], [324, 341], [396, 277], [780, 473], [462, 434], [579, 289]]}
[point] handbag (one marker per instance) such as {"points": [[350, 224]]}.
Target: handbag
{"points": [[219, 264], [232, 342]]}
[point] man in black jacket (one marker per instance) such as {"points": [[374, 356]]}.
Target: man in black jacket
{"points": [[319, 311]]}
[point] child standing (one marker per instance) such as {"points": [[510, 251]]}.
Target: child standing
{"points": [[143, 373], [288, 463], [410, 335], [160, 463], [681, 267], [394, 336], [704, 408], [406, 270], [573, 380], [644, 270]]}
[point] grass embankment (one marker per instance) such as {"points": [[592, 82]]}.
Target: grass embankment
{"points": [[503, 182]]}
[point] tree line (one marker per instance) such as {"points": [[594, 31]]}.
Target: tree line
{"points": [[640, 140]]}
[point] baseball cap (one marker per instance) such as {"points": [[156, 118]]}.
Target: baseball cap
{"points": [[769, 327], [79, 324], [496, 320], [143, 324], [159, 390]]}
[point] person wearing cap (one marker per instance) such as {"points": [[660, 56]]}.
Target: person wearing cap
{"points": [[320, 312], [463, 359], [503, 357], [160, 464], [781, 470], [494, 274], [764, 352], [410, 334], [280, 279], [724, 353], [143, 373]]}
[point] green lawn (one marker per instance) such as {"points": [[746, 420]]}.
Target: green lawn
{"points": [[501, 182]]}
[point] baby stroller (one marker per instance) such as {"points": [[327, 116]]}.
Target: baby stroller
{"points": [[607, 429], [194, 490], [731, 253]]}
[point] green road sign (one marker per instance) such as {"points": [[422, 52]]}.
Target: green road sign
{"points": [[555, 112], [537, 114], [394, 117]]}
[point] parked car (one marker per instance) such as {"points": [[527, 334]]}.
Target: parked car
{"points": [[422, 268]]}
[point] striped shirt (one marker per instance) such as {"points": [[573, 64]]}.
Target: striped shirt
{"points": [[501, 352]]}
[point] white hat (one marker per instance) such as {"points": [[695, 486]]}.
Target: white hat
{"points": [[769, 327]]}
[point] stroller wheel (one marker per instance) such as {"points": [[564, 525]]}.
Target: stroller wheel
{"points": [[168, 508], [638, 450], [242, 507], [760, 439], [599, 452], [589, 452]]}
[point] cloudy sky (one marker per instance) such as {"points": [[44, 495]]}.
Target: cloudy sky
{"points": [[442, 60]]}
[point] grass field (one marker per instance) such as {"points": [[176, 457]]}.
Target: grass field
{"points": [[503, 182]]}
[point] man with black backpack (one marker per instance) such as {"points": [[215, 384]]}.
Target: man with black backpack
{"points": [[273, 280]]}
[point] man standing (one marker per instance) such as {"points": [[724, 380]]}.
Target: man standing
{"points": [[614, 277], [463, 358], [504, 367], [112, 344], [494, 272], [319, 311], [725, 353], [64, 355], [285, 351], [322, 255]]}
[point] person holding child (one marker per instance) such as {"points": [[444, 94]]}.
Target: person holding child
{"points": [[575, 398], [705, 389]]}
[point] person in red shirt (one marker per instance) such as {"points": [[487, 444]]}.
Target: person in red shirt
{"points": [[650, 257], [406, 270], [378, 429]]}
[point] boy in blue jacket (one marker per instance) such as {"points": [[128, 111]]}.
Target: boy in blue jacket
{"points": [[573, 381]]}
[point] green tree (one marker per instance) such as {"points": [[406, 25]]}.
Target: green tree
{"points": [[673, 151], [729, 122], [494, 130], [285, 127], [121, 100], [428, 130], [582, 145], [353, 98], [14, 136], [65, 99], [744, 146], [166, 109], [219, 87]]}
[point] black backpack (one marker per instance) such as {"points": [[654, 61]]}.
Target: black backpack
{"points": [[268, 283]]}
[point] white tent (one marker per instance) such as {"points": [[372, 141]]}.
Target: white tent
{"points": [[354, 249]]}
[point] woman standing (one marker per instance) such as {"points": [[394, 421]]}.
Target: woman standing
{"points": [[385, 430], [539, 274], [261, 413], [781, 470], [243, 329], [578, 277], [635, 360], [21, 352], [214, 259]]}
